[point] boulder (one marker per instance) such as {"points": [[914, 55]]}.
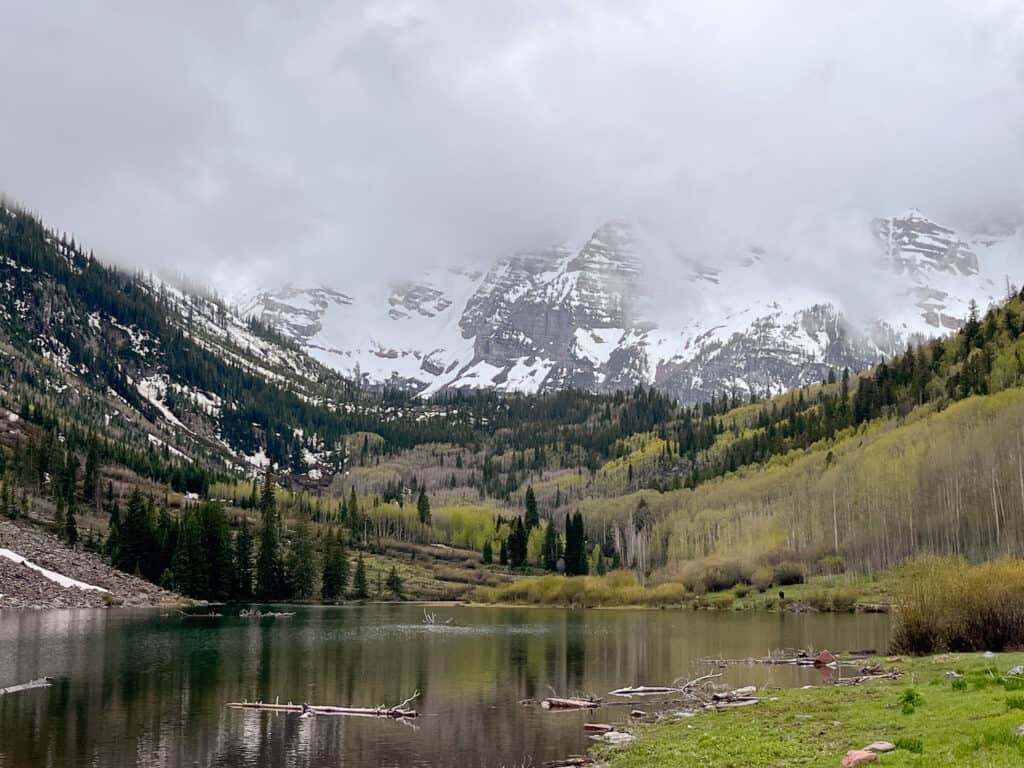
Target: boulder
{"points": [[1019, 730], [824, 658], [880, 747], [1014, 671], [857, 757], [954, 676]]}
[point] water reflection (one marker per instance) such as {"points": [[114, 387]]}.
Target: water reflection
{"points": [[138, 688]]}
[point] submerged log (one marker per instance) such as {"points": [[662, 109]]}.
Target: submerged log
{"points": [[555, 702], [42, 682], [597, 727]]}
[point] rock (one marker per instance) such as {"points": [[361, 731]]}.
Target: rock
{"points": [[824, 658], [880, 747], [857, 757], [597, 727], [1019, 730], [988, 655], [1014, 671], [637, 713], [954, 676], [616, 737]]}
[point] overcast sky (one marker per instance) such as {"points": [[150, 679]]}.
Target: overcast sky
{"points": [[264, 141]]}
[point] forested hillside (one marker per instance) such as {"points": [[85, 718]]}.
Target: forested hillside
{"points": [[143, 419]]}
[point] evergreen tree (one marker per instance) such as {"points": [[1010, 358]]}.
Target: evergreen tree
{"points": [[71, 526], [532, 516], [583, 564], [302, 563], [517, 544], [218, 554], [269, 567], [113, 544], [244, 543], [572, 547], [90, 481], [189, 565], [394, 583], [135, 536], [335, 576], [423, 507], [552, 551], [503, 552], [359, 584], [488, 553]]}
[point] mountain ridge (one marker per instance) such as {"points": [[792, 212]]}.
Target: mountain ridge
{"points": [[564, 317]]}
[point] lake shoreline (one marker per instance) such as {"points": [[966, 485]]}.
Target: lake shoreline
{"points": [[949, 709]]}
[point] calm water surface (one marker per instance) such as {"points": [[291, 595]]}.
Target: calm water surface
{"points": [[137, 688]]}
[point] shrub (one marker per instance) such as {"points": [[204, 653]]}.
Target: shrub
{"points": [[959, 684], [910, 745], [1015, 702], [789, 572], [944, 604], [741, 590], [714, 574], [844, 600], [762, 578]]}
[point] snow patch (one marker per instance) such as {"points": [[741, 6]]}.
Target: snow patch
{"points": [[56, 578]]}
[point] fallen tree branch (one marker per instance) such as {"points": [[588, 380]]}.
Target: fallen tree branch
{"points": [[399, 711], [42, 682]]}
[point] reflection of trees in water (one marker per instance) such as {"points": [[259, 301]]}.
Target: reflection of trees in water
{"points": [[151, 691]]}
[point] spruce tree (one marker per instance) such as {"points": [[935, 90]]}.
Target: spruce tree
{"points": [[244, 542], [552, 551], [302, 563], [394, 583], [71, 526], [532, 516], [359, 584], [423, 507], [488, 553], [269, 584], [335, 576]]}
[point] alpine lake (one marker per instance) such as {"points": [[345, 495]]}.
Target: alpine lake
{"points": [[151, 688]]}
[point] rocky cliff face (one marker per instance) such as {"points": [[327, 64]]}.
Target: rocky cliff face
{"points": [[581, 317]]}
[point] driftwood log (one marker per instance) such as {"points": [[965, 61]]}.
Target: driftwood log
{"points": [[398, 712], [42, 682]]}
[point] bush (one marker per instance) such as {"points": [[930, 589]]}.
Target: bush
{"points": [[789, 572], [944, 604], [762, 578], [741, 590], [910, 745], [844, 600], [714, 574], [1015, 702]]}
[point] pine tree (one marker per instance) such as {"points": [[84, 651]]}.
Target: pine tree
{"points": [[552, 551], [269, 582], [302, 563], [503, 553], [335, 576], [71, 526], [517, 544], [244, 542], [532, 516], [423, 508], [359, 583], [583, 565], [90, 480], [488, 553], [394, 583]]}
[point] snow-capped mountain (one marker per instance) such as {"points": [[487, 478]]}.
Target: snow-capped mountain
{"points": [[587, 316]]}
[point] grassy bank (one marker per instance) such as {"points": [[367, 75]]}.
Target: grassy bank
{"points": [[621, 589], [935, 722]]}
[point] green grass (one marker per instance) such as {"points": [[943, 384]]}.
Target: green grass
{"points": [[933, 722]]}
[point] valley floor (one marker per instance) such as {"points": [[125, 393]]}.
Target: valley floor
{"points": [[932, 719]]}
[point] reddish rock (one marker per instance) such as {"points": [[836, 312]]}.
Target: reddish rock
{"points": [[857, 757], [824, 658]]}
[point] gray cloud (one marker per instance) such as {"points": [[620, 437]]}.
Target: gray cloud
{"points": [[258, 141]]}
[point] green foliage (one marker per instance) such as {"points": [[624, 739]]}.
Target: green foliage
{"points": [[910, 744], [1015, 702], [618, 588]]}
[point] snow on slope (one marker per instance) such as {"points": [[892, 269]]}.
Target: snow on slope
{"points": [[53, 576], [584, 317]]}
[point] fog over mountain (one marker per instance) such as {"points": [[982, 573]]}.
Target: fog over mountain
{"points": [[251, 143]]}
